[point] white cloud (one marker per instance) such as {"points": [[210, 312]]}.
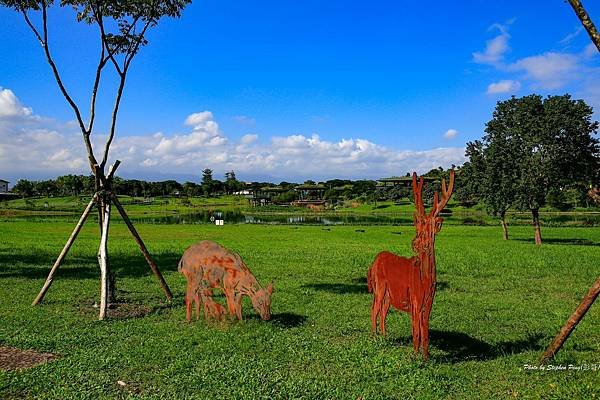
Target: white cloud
{"points": [[199, 119], [504, 86], [494, 48], [10, 106], [247, 139], [40, 147], [572, 35], [450, 134], [549, 70]]}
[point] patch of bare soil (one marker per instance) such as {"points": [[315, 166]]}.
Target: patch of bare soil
{"points": [[127, 310], [12, 359]]}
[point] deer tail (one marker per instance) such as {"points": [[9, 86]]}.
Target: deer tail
{"points": [[180, 265], [371, 278]]}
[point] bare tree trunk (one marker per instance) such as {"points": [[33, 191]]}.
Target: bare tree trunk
{"points": [[504, 226], [586, 22], [103, 260], [572, 322], [536, 226], [65, 250]]}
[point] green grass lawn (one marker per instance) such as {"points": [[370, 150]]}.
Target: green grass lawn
{"points": [[498, 305]]}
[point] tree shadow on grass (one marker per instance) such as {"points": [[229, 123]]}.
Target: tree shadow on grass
{"points": [[359, 286], [37, 264], [288, 320], [459, 346], [285, 320], [567, 241], [339, 288]]}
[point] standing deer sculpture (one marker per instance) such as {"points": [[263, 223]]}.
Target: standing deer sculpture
{"points": [[208, 265], [409, 284]]}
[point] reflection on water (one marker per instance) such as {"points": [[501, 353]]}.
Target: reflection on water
{"points": [[239, 217], [236, 217]]}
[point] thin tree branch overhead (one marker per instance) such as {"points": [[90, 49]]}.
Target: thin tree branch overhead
{"points": [[586, 21]]}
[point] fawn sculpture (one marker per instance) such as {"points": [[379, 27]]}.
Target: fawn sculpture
{"points": [[409, 284], [206, 266]]}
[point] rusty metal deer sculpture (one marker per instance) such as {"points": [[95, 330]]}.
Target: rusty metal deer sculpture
{"points": [[409, 284], [206, 266]]}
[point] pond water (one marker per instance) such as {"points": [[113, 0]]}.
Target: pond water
{"points": [[233, 217], [331, 218]]}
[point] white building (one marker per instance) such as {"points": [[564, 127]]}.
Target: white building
{"points": [[3, 186]]}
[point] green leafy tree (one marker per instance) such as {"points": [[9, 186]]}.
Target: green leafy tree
{"points": [[533, 148], [493, 169], [231, 183], [208, 182], [190, 189], [24, 188]]}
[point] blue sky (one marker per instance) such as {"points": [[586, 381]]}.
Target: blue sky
{"points": [[293, 90]]}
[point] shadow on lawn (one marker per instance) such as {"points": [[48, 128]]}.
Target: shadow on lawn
{"points": [[358, 287], [283, 320], [576, 241], [459, 346], [36, 265]]}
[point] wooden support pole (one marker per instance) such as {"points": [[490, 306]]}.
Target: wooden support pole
{"points": [[586, 22], [103, 260], [65, 250], [142, 247], [572, 322], [112, 170]]}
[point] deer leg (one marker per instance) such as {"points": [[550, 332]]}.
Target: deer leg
{"points": [[384, 310], [374, 312], [230, 302], [425, 329], [189, 294], [376, 308], [207, 302], [237, 298], [197, 304], [416, 328]]}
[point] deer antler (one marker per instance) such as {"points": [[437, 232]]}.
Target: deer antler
{"points": [[438, 205], [418, 194]]}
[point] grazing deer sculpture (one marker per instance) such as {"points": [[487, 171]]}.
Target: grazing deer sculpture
{"points": [[409, 284], [206, 266]]}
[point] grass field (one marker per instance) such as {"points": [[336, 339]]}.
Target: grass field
{"points": [[498, 305]]}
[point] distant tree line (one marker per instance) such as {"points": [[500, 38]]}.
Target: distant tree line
{"points": [[76, 185]]}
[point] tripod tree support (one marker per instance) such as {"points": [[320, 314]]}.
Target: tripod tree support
{"points": [[65, 250], [572, 322], [142, 247], [103, 200]]}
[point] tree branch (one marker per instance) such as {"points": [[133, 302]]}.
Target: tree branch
{"points": [[101, 65], [137, 45], [586, 22], [86, 136], [111, 54], [128, 58], [114, 119], [37, 34]]}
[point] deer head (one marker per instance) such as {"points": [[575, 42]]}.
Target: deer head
{"points": [[261, 301], [428, 224]]}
